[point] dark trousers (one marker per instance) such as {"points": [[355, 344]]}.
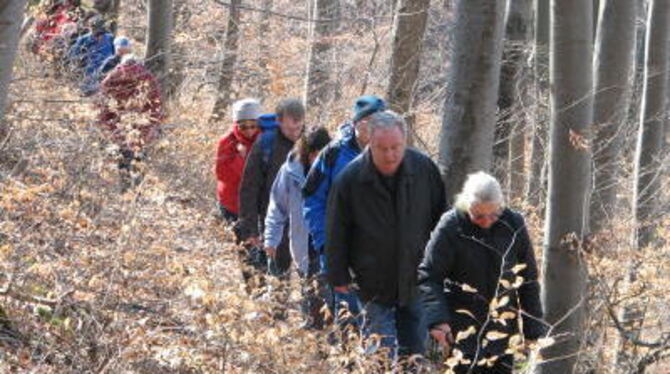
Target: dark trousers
{"points": [[226, 214]]}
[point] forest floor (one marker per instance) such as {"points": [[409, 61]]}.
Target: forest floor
{"points": [[94, 280]]}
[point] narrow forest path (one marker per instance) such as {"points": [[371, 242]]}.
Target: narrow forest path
{"points": [[145, 281]]}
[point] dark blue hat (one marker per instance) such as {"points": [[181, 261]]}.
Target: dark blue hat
{"points": [[366, 105]]}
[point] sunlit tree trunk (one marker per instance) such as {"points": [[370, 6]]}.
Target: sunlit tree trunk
{"points": [[508, 151], [319, 85], [613, 70], [231, 44], [571, 82], [538, 159], [159, 35], [11, 17], [408, 30], [469, 110]]}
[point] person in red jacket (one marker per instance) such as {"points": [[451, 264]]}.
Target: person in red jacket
{"points": [[232, 153], [131, 112]]}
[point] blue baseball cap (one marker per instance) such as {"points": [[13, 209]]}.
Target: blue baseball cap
{"points": [[366, 105]]}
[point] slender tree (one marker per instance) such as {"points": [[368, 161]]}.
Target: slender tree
{"points": [[11, 17], [319, 85], [469, 111], [613, 69], [571, 80], [264, 54], [408, 30], [508, 150], [159, 35], [649, 152], [537, 174], [228, 65]]}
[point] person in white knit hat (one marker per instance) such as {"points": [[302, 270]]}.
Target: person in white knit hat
{"points": [[232, 153]]}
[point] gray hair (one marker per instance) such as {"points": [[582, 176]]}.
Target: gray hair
{"points": [[478, 188], [385, 120]]}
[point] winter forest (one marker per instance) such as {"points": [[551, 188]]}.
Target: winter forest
{"points": [[117, 255]]}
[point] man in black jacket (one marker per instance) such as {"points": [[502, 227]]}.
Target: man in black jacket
{"points": [[381, 211], [262, 165], [479, 279]]}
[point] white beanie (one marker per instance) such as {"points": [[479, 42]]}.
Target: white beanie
{"points": [[246, 109]]}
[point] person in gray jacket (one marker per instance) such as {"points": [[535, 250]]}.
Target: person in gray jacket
{"points": [[285, 207]]}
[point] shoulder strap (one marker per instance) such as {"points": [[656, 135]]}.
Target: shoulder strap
{"points": [[267, 142]]}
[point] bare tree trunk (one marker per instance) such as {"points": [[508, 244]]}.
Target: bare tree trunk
{"points": [[538, 158], [263, 53], [649, 155], [508, 151], [159, 35], [571, 80], [613, 69], [469, 111], [11, 17], [109, 9], [319, 85], [180, 16], [228, 66], [408, 30]]}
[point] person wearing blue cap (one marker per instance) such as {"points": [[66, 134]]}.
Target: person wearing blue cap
{"points": [[330, 162], [122, 46]]}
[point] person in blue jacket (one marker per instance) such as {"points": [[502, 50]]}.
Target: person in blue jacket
{"points": [[330, 162], [285, 209], [89, 52]]}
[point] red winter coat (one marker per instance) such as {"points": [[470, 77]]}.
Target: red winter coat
{"points": [[229, 166], [130, 88]]}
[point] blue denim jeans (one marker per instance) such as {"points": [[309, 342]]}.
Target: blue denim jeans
{"points": [[401, 328]]}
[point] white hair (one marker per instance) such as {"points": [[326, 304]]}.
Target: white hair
{"points": [[478, 188]]}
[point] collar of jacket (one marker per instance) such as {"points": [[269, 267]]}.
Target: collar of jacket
{"points": [[368, 172], [294, 167]]}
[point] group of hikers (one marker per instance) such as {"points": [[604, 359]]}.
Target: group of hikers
{"points": [[363, 219], [80, 45]]}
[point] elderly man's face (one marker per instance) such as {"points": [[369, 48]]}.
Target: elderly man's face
{"points": [[387, 147]]}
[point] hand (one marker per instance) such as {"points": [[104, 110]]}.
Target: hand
{"points": [[253, 241], [241, 149], [271, 251], [442, 334], [341, 289]]}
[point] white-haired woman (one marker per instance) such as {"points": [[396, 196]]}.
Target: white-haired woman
{"points": [[480, 252]]}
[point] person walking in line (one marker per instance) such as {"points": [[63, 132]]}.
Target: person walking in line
{"points": [[285, 208], [381, 211], [231, 154], [266, 157], [479, 256], [328, 165]]}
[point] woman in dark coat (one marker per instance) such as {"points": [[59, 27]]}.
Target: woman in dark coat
{"points": [[478, 279]]}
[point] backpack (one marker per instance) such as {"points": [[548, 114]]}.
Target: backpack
{"points": [[269, 127]]}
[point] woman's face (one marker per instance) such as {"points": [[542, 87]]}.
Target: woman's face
{"points": [[484, 215], [248, 127]]}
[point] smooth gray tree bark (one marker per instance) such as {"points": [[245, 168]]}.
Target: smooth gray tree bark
{"points": [[319, 85], [469, 110], [649, 153], [538, 160], [509, 148], [613, 70], [564, 271], [231, 46], [159, 40], [408, 31], [11, 17]]}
